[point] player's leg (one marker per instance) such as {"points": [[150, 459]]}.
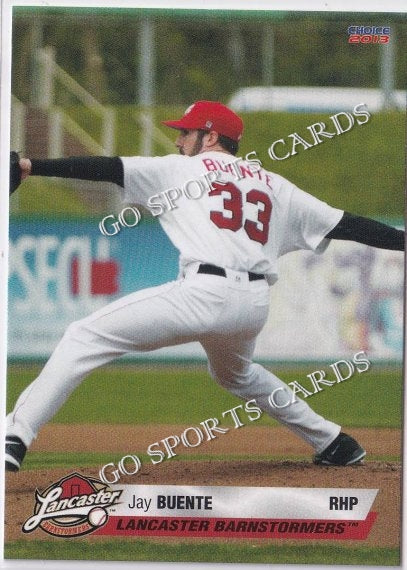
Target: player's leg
{"points": [[230, 364], [230, 350], [146, 320]]}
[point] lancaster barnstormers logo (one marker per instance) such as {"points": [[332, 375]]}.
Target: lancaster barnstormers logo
{"points": [[74, 506]]}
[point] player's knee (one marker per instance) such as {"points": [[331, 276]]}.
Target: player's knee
{"points": [[76, 330], [228, 377]]}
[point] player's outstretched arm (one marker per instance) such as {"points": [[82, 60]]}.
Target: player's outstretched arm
{"points": [[369, 232], [98, 168]]}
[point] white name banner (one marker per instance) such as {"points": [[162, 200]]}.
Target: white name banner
{"points": [[251, 502], [239, 512]]}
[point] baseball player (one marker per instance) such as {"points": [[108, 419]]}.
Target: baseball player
{"points": [[230, 220]]}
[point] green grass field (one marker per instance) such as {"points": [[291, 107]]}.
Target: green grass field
{"points": [[185, 395], [188, 551]]}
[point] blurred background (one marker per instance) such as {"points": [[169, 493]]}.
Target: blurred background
{"points": [[99, 81]]}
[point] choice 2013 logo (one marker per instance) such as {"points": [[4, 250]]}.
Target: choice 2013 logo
{"points": [[368, 35]]}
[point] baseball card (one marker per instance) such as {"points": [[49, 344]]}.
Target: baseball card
{"points": [[203, 283]]}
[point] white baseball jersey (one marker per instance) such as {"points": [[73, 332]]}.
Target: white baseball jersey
{"points": [[246, 221]]}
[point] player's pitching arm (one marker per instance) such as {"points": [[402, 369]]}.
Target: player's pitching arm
{"points": [[97, 168], [368, 232], [110, 169]]}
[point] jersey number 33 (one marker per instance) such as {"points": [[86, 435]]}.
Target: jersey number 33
{"points": [[233, 204]]}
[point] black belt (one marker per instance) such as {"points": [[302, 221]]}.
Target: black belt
{"points": [[215, 270]]}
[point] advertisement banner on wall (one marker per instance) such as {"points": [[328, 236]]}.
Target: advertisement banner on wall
{"points": [[64, 270]]}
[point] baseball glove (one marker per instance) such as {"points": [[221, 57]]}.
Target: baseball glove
{"points": [[15, 171]]}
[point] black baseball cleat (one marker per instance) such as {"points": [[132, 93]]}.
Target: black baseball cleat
{"points": [[344, 450], [15, 452]]}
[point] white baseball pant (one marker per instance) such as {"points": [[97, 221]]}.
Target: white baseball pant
{"points": [[225, 314]]}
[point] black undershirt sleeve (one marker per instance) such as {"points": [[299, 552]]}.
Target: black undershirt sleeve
{"points": [[367, 231], [98, 168]]}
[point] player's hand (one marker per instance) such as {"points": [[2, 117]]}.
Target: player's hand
{"points": [[20, 168], [25, 166]]}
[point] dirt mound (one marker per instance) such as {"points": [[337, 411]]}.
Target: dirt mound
{"points": [[278, 441]]}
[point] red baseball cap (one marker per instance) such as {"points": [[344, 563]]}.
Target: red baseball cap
{"points": [[210, 116]]}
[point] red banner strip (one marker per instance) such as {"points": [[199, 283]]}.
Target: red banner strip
{"points": [[239, 527], [103, 276]]}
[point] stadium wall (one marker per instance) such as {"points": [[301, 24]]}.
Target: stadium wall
{"points": [[346, 300]]}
